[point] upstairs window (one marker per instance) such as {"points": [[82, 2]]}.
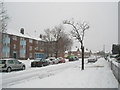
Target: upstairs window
{"points": [[14, 46], [30, 55], [30, 40], [14, 38], [30, 48], [36, 42], [5, 35]]}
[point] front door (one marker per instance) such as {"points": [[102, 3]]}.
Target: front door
{"points": [[14, 55]]}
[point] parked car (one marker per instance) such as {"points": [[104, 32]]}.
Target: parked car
{"points": [[92, 59], [72, 59], [49, 61], [54, 60], [11, 64], [61, 60], [39, 62], [76, 58]]}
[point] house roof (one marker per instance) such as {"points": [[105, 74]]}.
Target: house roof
{"points": [[17, 33]]}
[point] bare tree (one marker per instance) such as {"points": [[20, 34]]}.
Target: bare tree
{"points": [[58, 39], [78, 32], [3, 24], [67, 41]]}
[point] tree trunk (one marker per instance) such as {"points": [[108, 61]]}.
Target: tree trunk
{"points": [[82, 48], [56, 54], [0, 44]]}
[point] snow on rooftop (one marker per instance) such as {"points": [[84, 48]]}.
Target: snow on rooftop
{"points": [[74, 49], [17, 33]]}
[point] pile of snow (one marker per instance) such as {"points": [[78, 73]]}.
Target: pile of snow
{"points": [[27, 63], [116, 63], [95, 75]]}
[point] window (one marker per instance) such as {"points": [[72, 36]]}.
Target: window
{"points": [[36, 48], [22, 42], [30, 55], [21, 38], [22, 47], [22, 53], [14, 38], [14, 46], [5, 35], [36, 42], [30, 48], [6, 39], [2, 61], [6, 52], [30, 40], [10, 62], [16, 61]]}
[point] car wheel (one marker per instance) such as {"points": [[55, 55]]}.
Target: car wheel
{"points": [[8, 69], [23, 67]]}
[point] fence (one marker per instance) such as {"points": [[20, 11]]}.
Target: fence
{"points": [[115, 67]]}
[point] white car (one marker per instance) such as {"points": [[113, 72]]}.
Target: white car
{"points": [[92, 59], [54, 60], [11, 64], [50, 62]]}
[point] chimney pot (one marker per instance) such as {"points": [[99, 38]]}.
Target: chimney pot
{"points": [[22, 30]]}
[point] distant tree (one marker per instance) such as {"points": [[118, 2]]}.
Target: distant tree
{"points": [[67, 41], [58, 38], [3, 24], [78, 32]]}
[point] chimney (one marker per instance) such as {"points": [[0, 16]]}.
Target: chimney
{"points": [[40, 35], [22, 30]]}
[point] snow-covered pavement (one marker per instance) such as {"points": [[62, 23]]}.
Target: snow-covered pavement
{"points": [[67, 75]]}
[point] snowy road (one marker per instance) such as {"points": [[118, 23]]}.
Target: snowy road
{"points": [[30, 73], [64, 75]]}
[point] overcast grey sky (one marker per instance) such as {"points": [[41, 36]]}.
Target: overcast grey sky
{"points": [[102, 17]]}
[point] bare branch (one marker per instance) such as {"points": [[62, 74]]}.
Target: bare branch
{"points": [[74, 28]]}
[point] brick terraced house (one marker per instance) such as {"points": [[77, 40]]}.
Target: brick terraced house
{"points": [[17, 44], [21, 46]]}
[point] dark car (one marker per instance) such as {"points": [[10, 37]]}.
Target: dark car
{"points": [[39, 63], [72, 59], [76, 58], [11, 64]]}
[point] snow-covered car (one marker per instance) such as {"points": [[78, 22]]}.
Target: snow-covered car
{"points": [[61, 60], [76, 58], [54, 60], [39, 63], [49, 61], [11, 64], [92, 59]]}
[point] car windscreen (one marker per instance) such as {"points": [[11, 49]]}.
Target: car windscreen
{"points": [[2, 61], [51, 59]]}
